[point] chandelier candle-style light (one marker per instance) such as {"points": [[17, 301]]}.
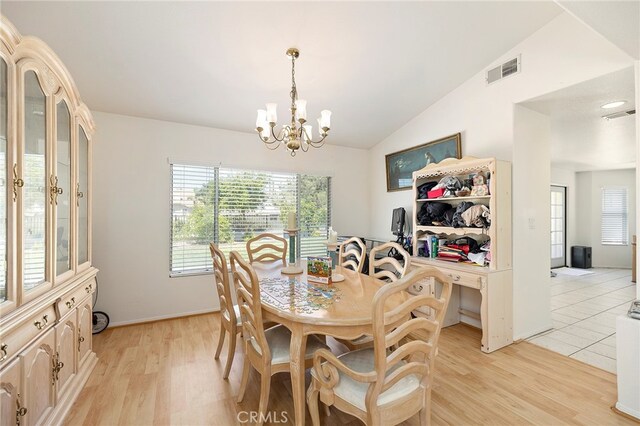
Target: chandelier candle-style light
{"points": [[296, 135]]}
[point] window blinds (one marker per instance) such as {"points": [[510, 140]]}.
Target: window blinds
{"points": [[615, 227], [229, 206]]}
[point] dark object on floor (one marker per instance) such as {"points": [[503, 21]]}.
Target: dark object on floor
{"points": [[581, 257], [100, 321], [553, 274]]}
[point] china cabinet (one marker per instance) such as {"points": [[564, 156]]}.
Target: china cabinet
{"points": [[493, 277], [46, 277]]}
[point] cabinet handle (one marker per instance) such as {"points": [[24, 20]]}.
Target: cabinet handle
{"points": [[79, 194], [57, 366], [89, 288], [455, 277], [80, 340], [54, 190], [3, 349], [41, 324], [71, 303], [20, 410], [417, 288], [17, 182]]}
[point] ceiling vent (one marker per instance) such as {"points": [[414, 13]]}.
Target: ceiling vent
{"points": [[510, 67], [619, 114]]}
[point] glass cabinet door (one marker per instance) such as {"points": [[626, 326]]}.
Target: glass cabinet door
{"points": [[34, 196], [82, 197], [3, 179], [62, 180]]}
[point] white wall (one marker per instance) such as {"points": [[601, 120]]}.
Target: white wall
{"points": [[567, 178], [589, 219], [561, 54], [131, 220], [531, 221]]}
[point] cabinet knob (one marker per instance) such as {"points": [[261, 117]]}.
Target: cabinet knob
{"points": [[89, 288], [455, 277], [71, 302], [3, 349]]}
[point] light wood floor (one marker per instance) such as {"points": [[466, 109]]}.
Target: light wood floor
{"points": [[164, 373]]}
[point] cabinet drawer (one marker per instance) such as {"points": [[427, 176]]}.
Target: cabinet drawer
{"points": [[464, 278], [422, 287], [71, 300], [17, 338]]}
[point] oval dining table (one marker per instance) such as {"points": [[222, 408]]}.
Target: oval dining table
{"points": [[342, 310]]}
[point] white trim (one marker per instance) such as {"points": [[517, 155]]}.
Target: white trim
{"points": [[162, 317]]}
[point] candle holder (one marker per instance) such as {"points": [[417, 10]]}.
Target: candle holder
{"points": [[331, 248], [292, 268]]}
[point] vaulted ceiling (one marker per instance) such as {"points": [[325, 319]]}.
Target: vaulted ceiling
{"points": [[376, 65]]}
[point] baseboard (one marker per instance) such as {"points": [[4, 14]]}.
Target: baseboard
{"points": [[63, 406], [627, 412], [162, 318], [533, 332]]}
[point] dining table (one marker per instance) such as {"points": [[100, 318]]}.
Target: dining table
{"points": [[341, 309]]}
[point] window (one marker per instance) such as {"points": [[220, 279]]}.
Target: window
{"points": [[229, 206], [615, 227]]}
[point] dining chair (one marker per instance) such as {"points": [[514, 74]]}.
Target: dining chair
{"points": [[267, 247], [229, 312], [392, 381], [388, 268], [265, 350], [352, 254]]}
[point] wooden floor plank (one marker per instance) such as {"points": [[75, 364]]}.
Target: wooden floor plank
{"points": [[163, 373]]}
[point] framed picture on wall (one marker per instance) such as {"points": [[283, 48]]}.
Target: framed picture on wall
{"points": [[402, 164]]}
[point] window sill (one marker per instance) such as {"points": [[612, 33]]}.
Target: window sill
{"points": [[189, 274]]}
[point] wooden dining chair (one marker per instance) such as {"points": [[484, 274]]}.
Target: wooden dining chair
{"points": [[352, 254], [229, 312], [265, 350], [389, 269], [392, 381], [266, 248]]}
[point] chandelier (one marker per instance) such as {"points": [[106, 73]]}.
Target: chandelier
{"points": [[296, 135]]}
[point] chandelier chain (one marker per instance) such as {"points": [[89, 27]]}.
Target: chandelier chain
{"points": [[294, 90]]}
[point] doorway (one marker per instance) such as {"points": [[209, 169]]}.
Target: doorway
{"points": [[558, 226]]}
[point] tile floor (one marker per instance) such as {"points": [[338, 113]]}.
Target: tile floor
{"points": [[584, 311]]}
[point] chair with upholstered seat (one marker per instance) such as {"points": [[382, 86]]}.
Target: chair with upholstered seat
{"points": [[392, 381], [265, 350], [229, 312], [267, 248], [352, 254]]}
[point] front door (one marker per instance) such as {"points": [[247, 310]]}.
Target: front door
{"points": [[558, 226]]}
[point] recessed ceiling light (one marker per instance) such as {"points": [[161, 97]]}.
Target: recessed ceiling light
{"points": [[613, 104]]}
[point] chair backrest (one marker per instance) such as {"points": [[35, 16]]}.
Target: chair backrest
{"points": [[267, 247], [393, 347], [352, 254], [221, 277], [248, 292], [394, 269]]}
